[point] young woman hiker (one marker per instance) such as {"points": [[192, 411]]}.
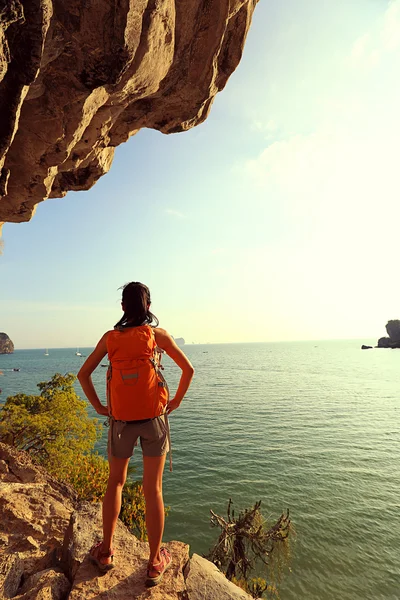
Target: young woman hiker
{"points": [[137, 405]]}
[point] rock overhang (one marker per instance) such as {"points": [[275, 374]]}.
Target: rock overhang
{"points": [[78, 79]]}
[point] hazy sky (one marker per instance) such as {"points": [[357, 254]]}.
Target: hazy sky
{"points": [[277, 219]]}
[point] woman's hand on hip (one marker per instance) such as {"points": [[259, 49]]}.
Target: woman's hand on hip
{"points": [[102, 410], [172, 405]]}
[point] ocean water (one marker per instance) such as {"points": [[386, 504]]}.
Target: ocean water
{"points": [[309, 426]]}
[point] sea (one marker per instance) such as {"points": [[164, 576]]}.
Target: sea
{"points": [[313, 427]]}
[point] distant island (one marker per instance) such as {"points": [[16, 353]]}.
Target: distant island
{"points": [[392, 340], [6, 345], [180, 341]]}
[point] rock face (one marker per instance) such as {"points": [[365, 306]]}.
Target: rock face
{"points": [[45, 535], [384, 342], [6, 345], [204, 580], [127, 579], [79, 78], [393, 331], [34, 513]]}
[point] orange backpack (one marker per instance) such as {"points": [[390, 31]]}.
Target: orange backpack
{"points": [[136, 388]]}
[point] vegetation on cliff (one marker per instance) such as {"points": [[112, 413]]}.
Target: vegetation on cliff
{"points": [[56, 430]]}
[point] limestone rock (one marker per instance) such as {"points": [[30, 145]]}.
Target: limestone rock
{"points": [[387, 342], [204, 580], [79, 78], [127, 580], [81, 534], [49, 584], [35, 510], [4, 470], [6, 345], [393, 330], [11, 569]]}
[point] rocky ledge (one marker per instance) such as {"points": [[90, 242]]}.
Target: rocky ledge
{"points": [[45, 534], [6, 345], [79, 78]]}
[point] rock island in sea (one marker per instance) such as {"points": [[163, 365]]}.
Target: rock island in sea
{"points": [[6, 345], [392, 340]]}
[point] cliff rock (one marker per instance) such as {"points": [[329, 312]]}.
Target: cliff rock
{"points": [[34, 512], [127, 579], [45, 535], [6, 345], [79, 78], [204, 580], [384, 342], [393, 330]]}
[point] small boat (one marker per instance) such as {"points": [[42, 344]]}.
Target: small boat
{"points": [[14, 369], [47, 352], [77, 353]]}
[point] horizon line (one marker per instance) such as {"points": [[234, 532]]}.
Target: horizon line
{"points": [[214, 343]]}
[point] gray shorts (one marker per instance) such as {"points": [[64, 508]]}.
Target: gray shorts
{"points": [[123, 436]]}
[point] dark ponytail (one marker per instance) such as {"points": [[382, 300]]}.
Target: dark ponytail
{"points": [[136, 300]]}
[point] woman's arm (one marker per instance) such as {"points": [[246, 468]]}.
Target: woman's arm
{"points": [[167, 343], [85, 372]]}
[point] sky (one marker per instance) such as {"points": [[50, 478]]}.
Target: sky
{"points": [[275, 220]]}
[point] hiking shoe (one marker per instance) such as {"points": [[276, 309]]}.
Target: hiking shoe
{"points": [[97, 556], [159, 568]]}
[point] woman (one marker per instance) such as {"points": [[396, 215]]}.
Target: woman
{"points": [[138, 405]]}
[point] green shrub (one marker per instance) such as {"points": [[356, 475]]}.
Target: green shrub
{"points": [[133, 510], [49, 424], [88, 475]]}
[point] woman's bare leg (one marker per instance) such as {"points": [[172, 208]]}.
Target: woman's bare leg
{"points": [[153, 467], [113, 498]]}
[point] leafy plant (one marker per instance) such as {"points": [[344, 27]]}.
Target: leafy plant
{"points": [[133, 509], [257, 587], [87, 474], [48, 424]]}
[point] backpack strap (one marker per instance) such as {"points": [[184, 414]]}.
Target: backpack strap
{"points": [[157, 354], [108, 387]]}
